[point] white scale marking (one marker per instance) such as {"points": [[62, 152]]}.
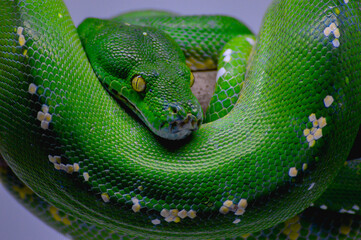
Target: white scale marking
{"points": [[227, 58], [227, 52], [221, 72], [251, 41]]}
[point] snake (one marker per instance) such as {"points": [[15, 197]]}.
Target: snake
{"points": [[284, 141]]}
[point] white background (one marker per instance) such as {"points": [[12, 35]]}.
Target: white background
{"points": [[18, 224]]}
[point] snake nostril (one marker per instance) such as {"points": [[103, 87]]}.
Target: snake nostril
{"points": [[174, 108]]}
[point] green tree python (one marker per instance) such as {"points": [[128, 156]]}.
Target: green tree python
{"points": [[106, 175]]}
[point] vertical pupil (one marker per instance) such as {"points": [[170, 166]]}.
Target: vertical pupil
{"points": [[137, 83]]}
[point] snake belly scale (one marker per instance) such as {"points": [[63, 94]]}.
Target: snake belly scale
{"points": [[71, 143]]}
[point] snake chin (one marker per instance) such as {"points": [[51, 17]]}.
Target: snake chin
{"points": [[180, 128]]}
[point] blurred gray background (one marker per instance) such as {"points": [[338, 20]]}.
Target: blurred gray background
{"points": [[18, 224]]}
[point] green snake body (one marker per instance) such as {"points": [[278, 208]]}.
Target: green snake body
{"points": [[265, 161], [313, 223]]}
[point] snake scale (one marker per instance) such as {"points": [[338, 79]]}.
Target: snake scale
{"points": [[265, 161]]}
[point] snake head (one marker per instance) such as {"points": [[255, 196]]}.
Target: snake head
{"points": [[145, 69]]}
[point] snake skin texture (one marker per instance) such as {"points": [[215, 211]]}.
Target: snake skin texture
{"points": [[313, 223], [230, 77], [267, 160]]}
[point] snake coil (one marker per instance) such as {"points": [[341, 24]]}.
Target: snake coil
{"points": [[268, 159]]}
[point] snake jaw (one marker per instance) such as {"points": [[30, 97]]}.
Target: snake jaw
{"points": [[188, 123], [180, 128], [176, 129], [178, 124]]}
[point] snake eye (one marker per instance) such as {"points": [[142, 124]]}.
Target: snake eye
{"points": [[192, 80], [138, 83]]}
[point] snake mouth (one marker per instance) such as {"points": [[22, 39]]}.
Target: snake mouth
{"points": [[180, 128], [171, 130]]}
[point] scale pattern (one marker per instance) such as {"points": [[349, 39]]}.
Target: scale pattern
{"points": [[200, 37], [313, 223], [118, 52], [230, 76], [291, 130], [343, 195]]}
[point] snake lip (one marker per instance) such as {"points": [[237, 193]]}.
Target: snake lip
{"points": [[189, 123], [173, 130], [180, 128]]}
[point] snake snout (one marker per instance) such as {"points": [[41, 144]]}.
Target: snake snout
{"points": [[181, 122], [179, 118], [190, 122]]}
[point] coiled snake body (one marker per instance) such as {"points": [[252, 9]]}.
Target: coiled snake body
{"points": [[272, 156]]}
